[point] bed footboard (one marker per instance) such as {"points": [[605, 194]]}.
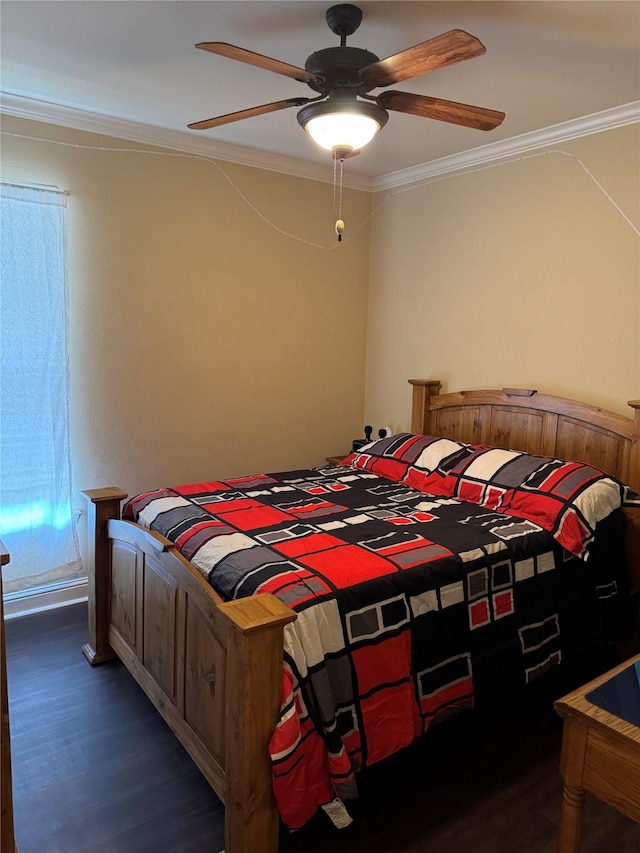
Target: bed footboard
{"points": [[212, 668]]}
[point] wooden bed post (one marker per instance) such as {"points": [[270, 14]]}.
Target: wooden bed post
{"points": [[254, 668], [103, 504], [423, 390]]}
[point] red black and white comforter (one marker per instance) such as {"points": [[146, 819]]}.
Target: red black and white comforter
{"points": [[410, 605]]}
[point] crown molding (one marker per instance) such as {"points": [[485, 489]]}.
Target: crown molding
{"points": [[543, 138], [78, 119], [176, 140]]}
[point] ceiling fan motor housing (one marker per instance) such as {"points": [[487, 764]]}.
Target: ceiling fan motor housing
{"points": [[340, 68]]}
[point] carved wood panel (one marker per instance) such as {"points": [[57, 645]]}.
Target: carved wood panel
{"points": [[461, 424], [205, 681], [589, 444], [518, 429], [159, 632], [124, 569]]}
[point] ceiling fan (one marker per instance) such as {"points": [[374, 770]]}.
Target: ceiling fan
{"points": [[344, 116]]}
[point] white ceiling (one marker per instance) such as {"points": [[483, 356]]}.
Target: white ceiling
{"points": [[546, 63]]}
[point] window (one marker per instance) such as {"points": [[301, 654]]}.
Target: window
{"points": [[36, 521]]}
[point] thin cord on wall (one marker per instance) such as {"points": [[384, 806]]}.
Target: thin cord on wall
{"points": [[494, 166], [385, 200]]}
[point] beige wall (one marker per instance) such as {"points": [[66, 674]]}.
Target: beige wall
{"points": [[519, 275], [203, 343]]}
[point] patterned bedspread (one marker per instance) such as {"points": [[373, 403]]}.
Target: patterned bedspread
{"points": [[410, 606]]}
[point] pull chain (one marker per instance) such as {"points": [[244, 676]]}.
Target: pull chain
{"points": [[339, 222]]}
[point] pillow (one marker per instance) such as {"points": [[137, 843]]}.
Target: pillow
{"points": [[430, 469], [566, 498], [395, 456], [630, 498]]}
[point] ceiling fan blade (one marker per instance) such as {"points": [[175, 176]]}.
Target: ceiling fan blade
{"points": [[478, 118], [438, 52], [216, 121], [260, 61]]}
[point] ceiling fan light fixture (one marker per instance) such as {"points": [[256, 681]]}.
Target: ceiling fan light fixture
{"points": [[342, 126]]}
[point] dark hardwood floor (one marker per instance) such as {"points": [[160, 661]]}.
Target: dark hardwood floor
{"points": [[97, 771]]}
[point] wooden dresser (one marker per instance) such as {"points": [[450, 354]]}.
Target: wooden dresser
{"points": [[7, 840]]}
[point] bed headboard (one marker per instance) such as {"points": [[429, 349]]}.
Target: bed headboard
{"points": [[523, 419]]}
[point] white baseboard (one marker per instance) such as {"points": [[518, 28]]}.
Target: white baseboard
{"points": [[35, 600]]}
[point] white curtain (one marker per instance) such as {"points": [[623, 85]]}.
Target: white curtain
{"points": [[36, 522]]}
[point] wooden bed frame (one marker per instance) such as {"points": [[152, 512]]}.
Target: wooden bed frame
{"points": [[213, 669]]}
